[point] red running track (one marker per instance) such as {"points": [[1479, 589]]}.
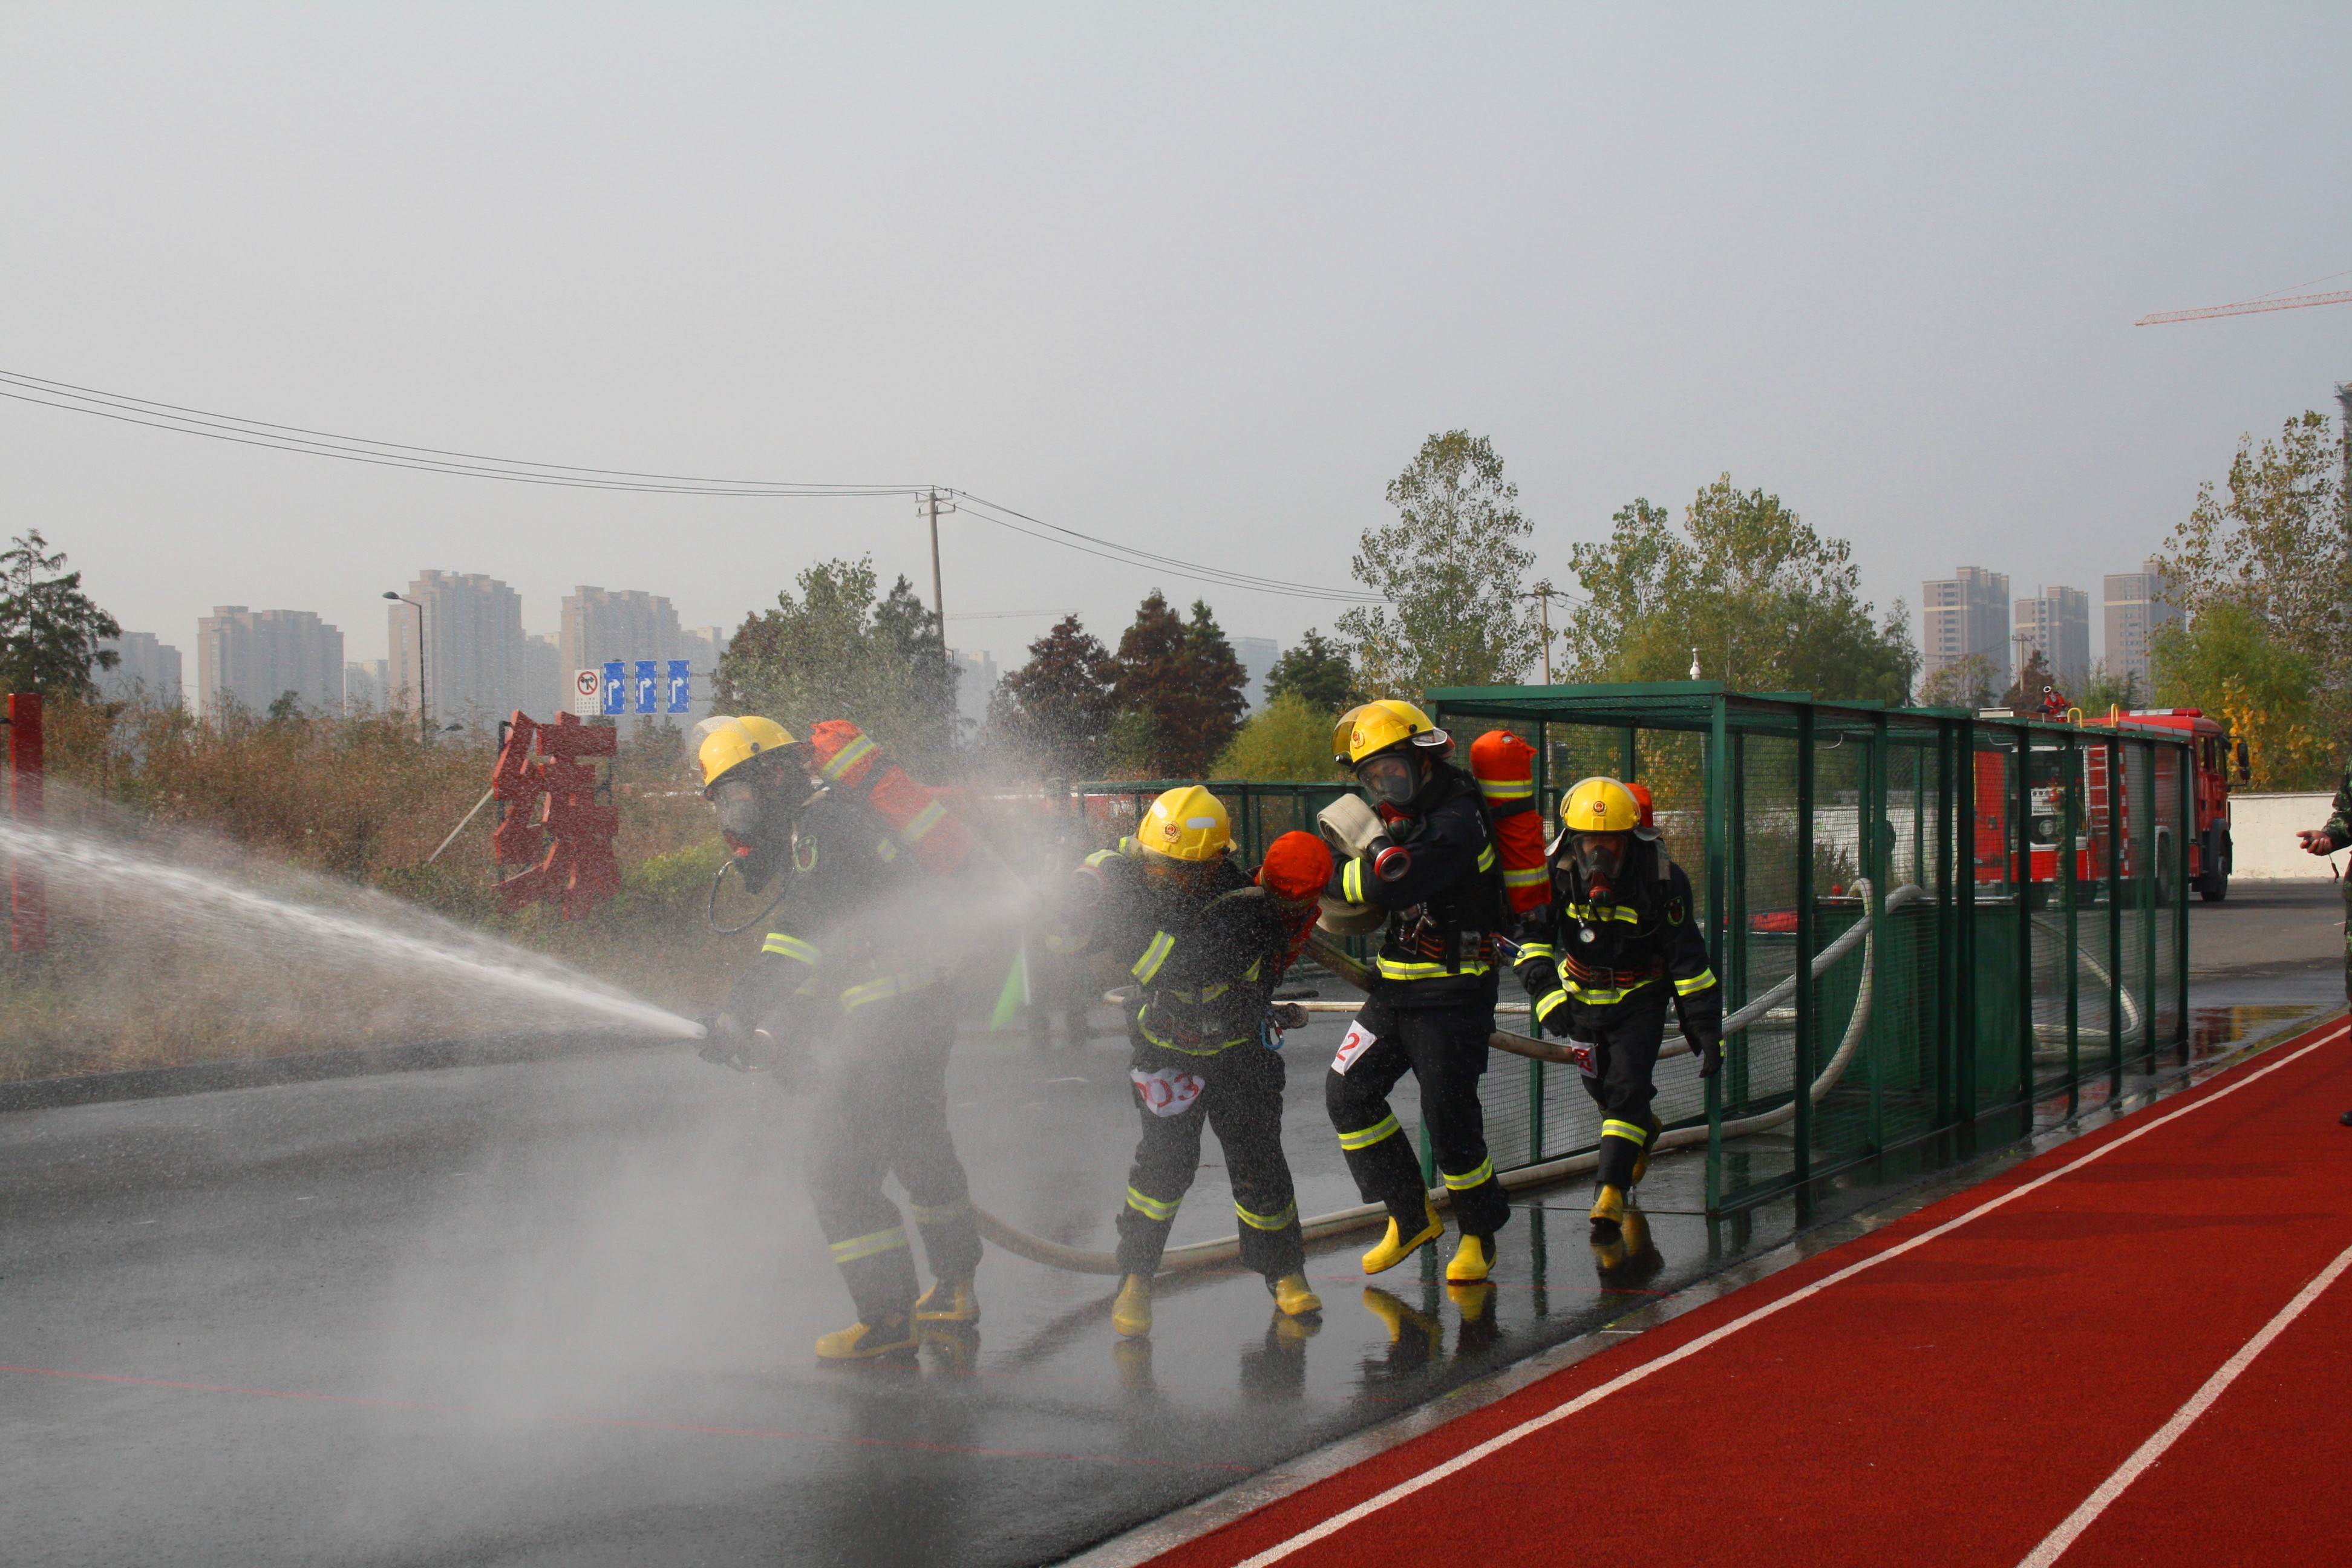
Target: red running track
{"points": [[1949, 1389]]}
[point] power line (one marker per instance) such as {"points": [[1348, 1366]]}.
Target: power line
{"points": [[240, 431]]}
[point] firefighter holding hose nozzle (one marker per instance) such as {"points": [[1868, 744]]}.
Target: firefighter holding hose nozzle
{"points": [[1421, 852], [1618, 936], [1206, 944], [843, 991]]}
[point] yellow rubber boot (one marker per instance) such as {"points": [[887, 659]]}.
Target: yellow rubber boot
{"points": [[864, 1341], [1470, 1262], [1131, 1313], [949, 1302], [1394, 1248], [1642, 1160], [1608, 1212], [1293, 1299]]}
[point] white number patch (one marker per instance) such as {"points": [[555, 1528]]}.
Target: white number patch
{"points": [[1359, 1040], [1581, 1055], [1171, 1091]]}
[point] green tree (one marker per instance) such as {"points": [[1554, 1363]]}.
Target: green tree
{"points": [[1288, 739], [2024, 693], [2105, 691], [1178, 691], [1758, 599], [1967, 684], [837, 652], [1318, 672], [1057, 709], [49, 630], [2228, 662], [1453, 567], [2276, 547]]}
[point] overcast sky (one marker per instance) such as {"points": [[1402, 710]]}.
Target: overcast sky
{"points": [[1197, 278]]}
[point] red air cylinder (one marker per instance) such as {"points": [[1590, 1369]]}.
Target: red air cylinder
{"points": [[1504, 766], [849, 760]]}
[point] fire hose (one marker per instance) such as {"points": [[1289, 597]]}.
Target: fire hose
{"points": [[1205, 1254]]}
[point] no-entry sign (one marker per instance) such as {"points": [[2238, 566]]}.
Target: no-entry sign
{"points": [[588, 692]]}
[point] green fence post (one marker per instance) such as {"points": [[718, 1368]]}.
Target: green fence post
{"points": [[1719, 794], [1803, 993], [1947, 873], [1542, 779], [2068, 813], [2118, 830], [1964, 912], [2148, 903], [1877, 862], [1734, 974], [2022, 834], [2184, 767]]}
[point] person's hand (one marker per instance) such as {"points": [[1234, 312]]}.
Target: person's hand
{"points": [[724, 1038], [1710, 1055], [2316, 841]]}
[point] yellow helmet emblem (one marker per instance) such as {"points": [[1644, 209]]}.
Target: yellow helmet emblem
{"points": [[1187, 824], [1599, 806]]}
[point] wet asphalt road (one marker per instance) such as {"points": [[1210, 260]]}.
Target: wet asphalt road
{"points": [[560, 1312]]}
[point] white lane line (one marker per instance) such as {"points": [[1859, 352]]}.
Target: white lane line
{"points": [[1469, 1456], [2147, 1453]]}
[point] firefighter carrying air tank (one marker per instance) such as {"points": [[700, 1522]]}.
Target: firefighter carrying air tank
{"points": [[1423, 854], [845, 991], [1206, 944], [1618, 936]]}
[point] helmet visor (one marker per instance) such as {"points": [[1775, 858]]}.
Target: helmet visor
{"points": [[1389, 778], [1601, 855]]}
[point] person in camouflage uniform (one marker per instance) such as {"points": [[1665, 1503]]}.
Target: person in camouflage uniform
{"points": [[2337, 834]]}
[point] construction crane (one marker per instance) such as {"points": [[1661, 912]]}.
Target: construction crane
{"points": [[2247, 308]]}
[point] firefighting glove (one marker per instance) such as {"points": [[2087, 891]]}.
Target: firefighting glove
{"points": [[724, 1038], [1709, 1052]]}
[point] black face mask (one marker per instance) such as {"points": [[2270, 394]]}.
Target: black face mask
{"points": [[1390, 779], [1601, 855]]}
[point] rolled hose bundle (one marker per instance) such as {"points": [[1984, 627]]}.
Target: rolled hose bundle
{"points": [[1206, 1253]]}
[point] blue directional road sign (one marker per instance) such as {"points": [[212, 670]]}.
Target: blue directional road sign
{"points": [[681, 681], [616, 688], [648, 683]]}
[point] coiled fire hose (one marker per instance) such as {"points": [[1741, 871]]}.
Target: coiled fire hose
{"points": [[1205, 1254]]}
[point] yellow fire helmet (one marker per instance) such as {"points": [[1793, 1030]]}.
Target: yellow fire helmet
{"points": [[1599, 806], [1377, 726], [1187, 824], [722, 744]]}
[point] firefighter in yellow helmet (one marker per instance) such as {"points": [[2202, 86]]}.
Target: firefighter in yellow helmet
{"points": [[1618, 938], [1206, 944], [1431, 1007], [843, 992]]}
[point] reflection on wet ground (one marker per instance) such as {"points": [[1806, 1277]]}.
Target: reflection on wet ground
{"points": [[561, 1312]]}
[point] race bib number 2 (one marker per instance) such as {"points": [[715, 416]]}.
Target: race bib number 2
{"points": [[1359, 1040]]}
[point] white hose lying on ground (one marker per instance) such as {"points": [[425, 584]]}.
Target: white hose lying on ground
{"points": [[1203, 1253]]}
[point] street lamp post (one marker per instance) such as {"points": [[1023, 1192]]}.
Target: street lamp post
{"points": [[423, 724]]}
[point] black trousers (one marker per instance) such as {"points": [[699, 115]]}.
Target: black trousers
{"points": [[881, 1110], [1237, 1092], [1624, 1039], [1445, 1048]]}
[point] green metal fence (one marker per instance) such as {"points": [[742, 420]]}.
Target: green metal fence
{"points": [[2024, 887]]}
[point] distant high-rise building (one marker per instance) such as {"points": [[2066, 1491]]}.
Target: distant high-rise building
{"points": [[2136, 612], [2057, 626], [543, 683], [253, 657], [974, 686], [473, 649], [1964, 615], [1256, 655], [367, 684], [149, 670]]}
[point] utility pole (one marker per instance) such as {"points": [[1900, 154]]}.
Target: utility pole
{"points": [[1543, 594], [928, 508]]}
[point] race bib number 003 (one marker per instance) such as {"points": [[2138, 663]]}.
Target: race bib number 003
{"points": [[1359, 1040], [1171, 1091]]}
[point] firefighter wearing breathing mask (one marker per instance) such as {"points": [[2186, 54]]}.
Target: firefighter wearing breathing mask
{"points": [[1620, 936], [1431, 1007], [1205, 943], [840, 991]]}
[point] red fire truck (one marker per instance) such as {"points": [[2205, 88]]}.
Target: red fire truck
{"points": [[2105, 833]]}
